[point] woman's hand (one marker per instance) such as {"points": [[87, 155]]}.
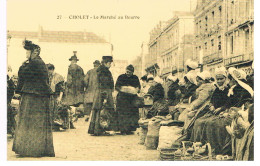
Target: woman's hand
{"points": [[212, 108], [217, 110]]}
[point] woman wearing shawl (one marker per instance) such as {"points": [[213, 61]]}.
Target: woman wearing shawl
{"points": [[189, 91], [217, 104], [33, 135], [156, 90], [128, 114], [174, 92], [245, 123], [239, 94], [202, 98], [214, 130]]}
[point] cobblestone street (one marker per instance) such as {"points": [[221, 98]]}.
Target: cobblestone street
{"points": [[77, 145]]}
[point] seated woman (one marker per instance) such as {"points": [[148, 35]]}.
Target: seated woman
{"points": [[189, 91], [245, 127], [202, 98], [174, 92], [214, 129], [156, 90], [217, 104]]}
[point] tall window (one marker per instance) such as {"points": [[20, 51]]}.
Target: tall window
{"points": [[213, 17], [206, 23], [219, 43], [247, 40], [200, 26], [232, 44], [212, 46], [220, 13], [206, 47]]}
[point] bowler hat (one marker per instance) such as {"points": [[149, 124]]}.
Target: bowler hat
{"points": [[96, 62], [74, 57], [130, 68], [107, 59]]}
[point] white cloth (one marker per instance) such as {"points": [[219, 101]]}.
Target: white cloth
{"points": [[204, 75], [221, 71], [238, 75], [172, 78], [191, 76], [158, 80], [191, 64]]}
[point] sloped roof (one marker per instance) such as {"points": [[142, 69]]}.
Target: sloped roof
{"points": [[60, 36]]}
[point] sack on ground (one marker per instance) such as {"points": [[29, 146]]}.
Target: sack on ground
{"points": [[151, 141], [168, 135], [143, 134]]}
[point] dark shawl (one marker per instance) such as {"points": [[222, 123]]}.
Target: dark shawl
{"points": [[33, 78]]}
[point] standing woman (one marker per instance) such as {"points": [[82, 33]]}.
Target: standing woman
{"points": [[127, 113], [102, 96], [33, 135]]}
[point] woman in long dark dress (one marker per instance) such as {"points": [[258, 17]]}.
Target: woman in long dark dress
{"points": [[33, 135], [217, 104], [128, 114], [102, 98]]}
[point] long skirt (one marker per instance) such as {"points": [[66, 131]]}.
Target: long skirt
{"points": [[33, 135], [212, 129], [94, 125], [128, 115]]}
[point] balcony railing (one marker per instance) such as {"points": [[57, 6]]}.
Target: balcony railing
{"points": [[212, 57], [239, 59]]}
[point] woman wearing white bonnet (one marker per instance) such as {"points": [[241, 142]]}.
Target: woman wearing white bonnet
{"points": [[237, 81], [205, 127], [202, 98], [174, 92], [220, 75]]}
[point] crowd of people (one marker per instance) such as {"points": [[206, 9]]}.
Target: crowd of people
{"points": [[219, 108]]}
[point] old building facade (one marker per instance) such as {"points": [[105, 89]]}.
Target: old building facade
{"points": [[171, 44], [224, 34], [240, 34], [209, 33]]}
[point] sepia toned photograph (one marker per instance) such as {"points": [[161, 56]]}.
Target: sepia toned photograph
{"points": [[130, 80]]}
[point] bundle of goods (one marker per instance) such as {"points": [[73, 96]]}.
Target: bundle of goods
{"points": [[193, 151], [105, 118], [66, 116], [143, 123], [152, 138], [129, 89], [184, 152]]}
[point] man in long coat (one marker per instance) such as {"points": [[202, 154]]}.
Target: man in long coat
{"points": [[75, 83], [91, 85], [102, 95]]}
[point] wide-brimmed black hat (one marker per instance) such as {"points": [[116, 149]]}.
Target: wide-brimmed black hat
{"points": [[74, 57], [107, 59]]}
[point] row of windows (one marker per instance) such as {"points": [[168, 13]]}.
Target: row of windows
{"points": [[211, 19], [211, 46]]}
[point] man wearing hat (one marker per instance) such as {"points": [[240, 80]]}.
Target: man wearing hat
{"points": [[102, 96], [75, 83], [128, 114], [90, 83]]}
